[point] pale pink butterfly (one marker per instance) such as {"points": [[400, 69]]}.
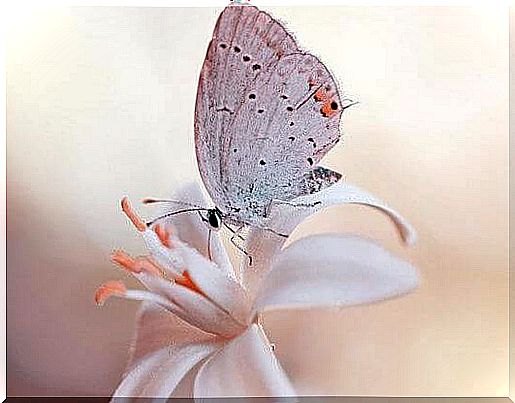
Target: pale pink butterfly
{"points": [[266, 113]]}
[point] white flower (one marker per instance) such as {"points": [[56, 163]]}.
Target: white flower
{"points": [[219, 332]]}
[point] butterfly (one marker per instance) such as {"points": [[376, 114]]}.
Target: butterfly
{"points": [[266, 113]]}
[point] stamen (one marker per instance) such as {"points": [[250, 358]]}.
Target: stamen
{"points": [[148, 266], [187, 281], [127, 209], [163, 235], [108, 289], [123, 259], [138, 265]]}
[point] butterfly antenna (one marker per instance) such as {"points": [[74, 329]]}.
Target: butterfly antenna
{"points": [[351, 103], [151, 200], [175, 213]]}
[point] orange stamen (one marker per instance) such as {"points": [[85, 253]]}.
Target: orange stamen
{"points": [[136, 265], [163, 235], [124, 260], [108, 289], [148, 266], [187, 281], [127, 209]]}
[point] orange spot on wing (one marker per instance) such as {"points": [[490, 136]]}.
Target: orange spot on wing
{"points": [[327, 109], [127, 209], [321, 95], [108, 289]]}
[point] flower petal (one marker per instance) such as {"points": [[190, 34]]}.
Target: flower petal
{"points": [[188, 305], [284, 218], [190, 228], [118, 289], [199, 311], [244, 367], [166, 257], [159, 373], [157, 328], [194, 308], [215, 283], [334, 270]]}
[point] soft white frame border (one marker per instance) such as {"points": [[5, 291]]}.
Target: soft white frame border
{"points": [[19, 8]]}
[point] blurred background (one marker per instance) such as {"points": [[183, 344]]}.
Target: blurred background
{"points": [[100, 104]]}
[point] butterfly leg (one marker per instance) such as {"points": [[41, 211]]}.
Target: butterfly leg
{"points": [[236, 234], [209, 245], [206, 220], [273, 231], [234, 231]]}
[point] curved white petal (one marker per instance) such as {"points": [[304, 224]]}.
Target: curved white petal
{"points": [[158, 373], [215, 283], [191, 229], [201, 312], [189, 305], [167, 258], [157, 328], [334, 270], [284, 218], [244, 367], [192, 308]]}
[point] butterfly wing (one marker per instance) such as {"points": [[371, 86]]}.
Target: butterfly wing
{"points": [[245, 42], [266, 113]]}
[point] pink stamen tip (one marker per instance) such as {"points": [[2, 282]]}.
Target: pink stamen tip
{"points": [[127, 209], [124, 260], [109, 289]]}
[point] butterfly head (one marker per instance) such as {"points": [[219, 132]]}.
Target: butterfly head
{"points": [[214, 218]]}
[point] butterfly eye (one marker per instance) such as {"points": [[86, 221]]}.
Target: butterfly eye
{"points": [[262, 162], [252, 96], [246, 58], [256, 67], [237, 49]]}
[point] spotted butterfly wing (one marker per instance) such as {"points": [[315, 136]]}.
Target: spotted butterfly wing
{"points": [[266, 113]]}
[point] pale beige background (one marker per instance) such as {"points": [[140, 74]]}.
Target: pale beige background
{"points": [[100, 104]]}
